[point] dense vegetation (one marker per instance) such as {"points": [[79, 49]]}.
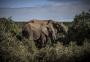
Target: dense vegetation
{"points": [[15, 49], [80, 29]]}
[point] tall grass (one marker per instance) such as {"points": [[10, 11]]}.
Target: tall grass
{"points": [[12, 49]]}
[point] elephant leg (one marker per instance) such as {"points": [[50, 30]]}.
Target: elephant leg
{"points": [[40, 42]]}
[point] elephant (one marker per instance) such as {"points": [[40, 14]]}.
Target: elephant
{"points": [[39, 31], [47, 28]]}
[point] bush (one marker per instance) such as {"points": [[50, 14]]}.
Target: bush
{"points": [[12, 49], [80, 29]]}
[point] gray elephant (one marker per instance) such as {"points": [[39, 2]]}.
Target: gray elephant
{"points": [[39, 31]]}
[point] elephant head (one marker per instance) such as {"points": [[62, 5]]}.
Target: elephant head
{"points": [[60, 27], [61, 30]]}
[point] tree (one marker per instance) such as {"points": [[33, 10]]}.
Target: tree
{"points": [[80, 28]]}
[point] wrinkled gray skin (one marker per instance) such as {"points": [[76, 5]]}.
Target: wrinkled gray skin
{"points": [[42, 31]]}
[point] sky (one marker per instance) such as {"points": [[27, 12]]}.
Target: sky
{"points": [[58, 10]]}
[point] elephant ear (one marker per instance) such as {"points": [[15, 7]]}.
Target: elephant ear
{"points": [[35, 34], [44, 29]]}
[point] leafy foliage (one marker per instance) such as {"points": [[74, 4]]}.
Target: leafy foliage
{"points": [[80, 29]]}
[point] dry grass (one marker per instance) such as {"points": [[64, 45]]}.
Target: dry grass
{"points": [[14, 50]]}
